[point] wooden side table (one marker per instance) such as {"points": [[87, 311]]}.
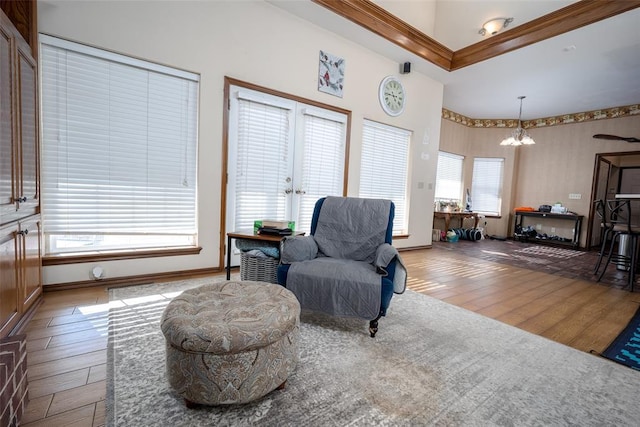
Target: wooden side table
{"points": [[462, 215], [249, 235]]}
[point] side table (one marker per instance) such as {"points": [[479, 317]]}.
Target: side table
{"points": [[249, 235]]}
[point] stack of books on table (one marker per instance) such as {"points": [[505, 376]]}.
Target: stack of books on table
{"points": [[274, 227]]}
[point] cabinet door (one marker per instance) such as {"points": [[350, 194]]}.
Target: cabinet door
{"points": [[7, 153], [30, 261], [28, 129], [8, 279]]}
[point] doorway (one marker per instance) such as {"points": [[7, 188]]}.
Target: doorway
{"points": [[614, 173]]}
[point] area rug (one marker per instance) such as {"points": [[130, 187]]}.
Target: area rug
{"points": [[431, 363], [625, 349], [549, 251], [565, 262]]}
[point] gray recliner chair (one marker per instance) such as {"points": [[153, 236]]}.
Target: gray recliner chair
{"points": [[347, 265]]}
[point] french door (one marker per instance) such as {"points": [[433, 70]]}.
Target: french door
{"points": [[283, 155]]}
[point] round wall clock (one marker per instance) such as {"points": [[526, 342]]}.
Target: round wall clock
{"points": [[392, 96]]}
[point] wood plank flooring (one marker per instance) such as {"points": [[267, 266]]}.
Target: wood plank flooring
{"points": [[67, 337]]}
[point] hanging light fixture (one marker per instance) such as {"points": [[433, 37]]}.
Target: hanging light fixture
{"points": [[494, 26], [519, 136]]}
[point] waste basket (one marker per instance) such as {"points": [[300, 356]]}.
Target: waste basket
{"points": [[624, 250]]}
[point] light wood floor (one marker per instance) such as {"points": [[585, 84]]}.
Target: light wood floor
{"points": [[67, 337]]}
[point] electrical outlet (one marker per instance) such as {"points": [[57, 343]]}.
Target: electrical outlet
{"points": [[553, 229], [538, 226], [575, 196]]}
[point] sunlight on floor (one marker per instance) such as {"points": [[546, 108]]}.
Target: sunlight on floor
{"points": [[419, 285], [100, 308], [496, 253]]}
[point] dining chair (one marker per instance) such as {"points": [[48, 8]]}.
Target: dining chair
{"points": [[605, 231], [625, 234]]}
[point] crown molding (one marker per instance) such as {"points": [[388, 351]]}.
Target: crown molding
{"points": [[375, 19], [569, 18]]}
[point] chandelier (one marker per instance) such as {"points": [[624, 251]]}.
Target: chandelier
{"points": [[519, 136]]}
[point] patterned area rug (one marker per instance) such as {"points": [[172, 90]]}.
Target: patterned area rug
{"points": [[561, 261], [625, 349], [431, 363], [549, 251]]}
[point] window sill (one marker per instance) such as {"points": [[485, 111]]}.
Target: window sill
{"points": [[77, 258], [400, 236]]}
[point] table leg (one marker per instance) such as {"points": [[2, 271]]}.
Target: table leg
{"points": [[228, 257]]}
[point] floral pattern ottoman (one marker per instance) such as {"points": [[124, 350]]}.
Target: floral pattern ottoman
{"points": [[231, 342]]}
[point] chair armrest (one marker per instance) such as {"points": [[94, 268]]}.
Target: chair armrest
{"points": [[297, 248], [385, 254], [389, 264]]}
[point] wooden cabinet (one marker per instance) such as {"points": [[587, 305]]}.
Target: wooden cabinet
{"points": [[28, 157], [29, 260], [9, 270], [20, 261], [20, 233], [7, 130], [19, 164]]}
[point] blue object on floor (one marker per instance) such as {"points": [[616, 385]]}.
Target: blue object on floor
{"points": [[625, 349]]}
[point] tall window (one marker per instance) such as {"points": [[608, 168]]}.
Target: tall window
{"points": [[486, 185], [384, 168], [449, 177], [118, 151]]}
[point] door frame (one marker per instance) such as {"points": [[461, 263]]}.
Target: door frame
{"points": [[224, 170]]}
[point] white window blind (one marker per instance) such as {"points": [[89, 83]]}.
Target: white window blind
{"points": [[486, 185], [323, 161], [384, 167], [449, 176], [262, 161], [119, 150]]}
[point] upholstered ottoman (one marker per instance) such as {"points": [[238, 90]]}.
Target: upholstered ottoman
{"points": [[231, 342]]}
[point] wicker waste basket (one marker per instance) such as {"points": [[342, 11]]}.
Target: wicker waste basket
{"points": [[256, 268]]}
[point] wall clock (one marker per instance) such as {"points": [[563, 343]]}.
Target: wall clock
{"points": [[392, 96]]}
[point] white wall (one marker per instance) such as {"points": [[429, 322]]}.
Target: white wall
{"points": [[259, 43]]}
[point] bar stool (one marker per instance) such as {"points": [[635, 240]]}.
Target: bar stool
{"points": [[606, 229], [619, 214]]}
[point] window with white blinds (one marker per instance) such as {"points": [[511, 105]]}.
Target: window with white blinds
{"points": [[119, 151], [449, 176], [263, 162], [384, 168], [283, 156], [486, 185], [322, 163]]}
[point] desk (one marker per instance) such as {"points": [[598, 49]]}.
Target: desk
{"points": [[462, 215], [249, 235], [575, 241]]}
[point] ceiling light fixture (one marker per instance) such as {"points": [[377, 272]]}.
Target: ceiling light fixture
{"points": [[519, 136], [494, 26]]}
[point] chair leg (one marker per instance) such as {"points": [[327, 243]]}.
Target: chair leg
{"points": [[602, 250], [373, 326], [613, 241], [634, 256]]}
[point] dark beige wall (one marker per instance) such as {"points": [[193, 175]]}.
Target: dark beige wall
{"points": [[561, 162]]}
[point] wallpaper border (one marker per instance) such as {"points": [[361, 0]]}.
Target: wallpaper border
{"points": [[609, 113]]}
